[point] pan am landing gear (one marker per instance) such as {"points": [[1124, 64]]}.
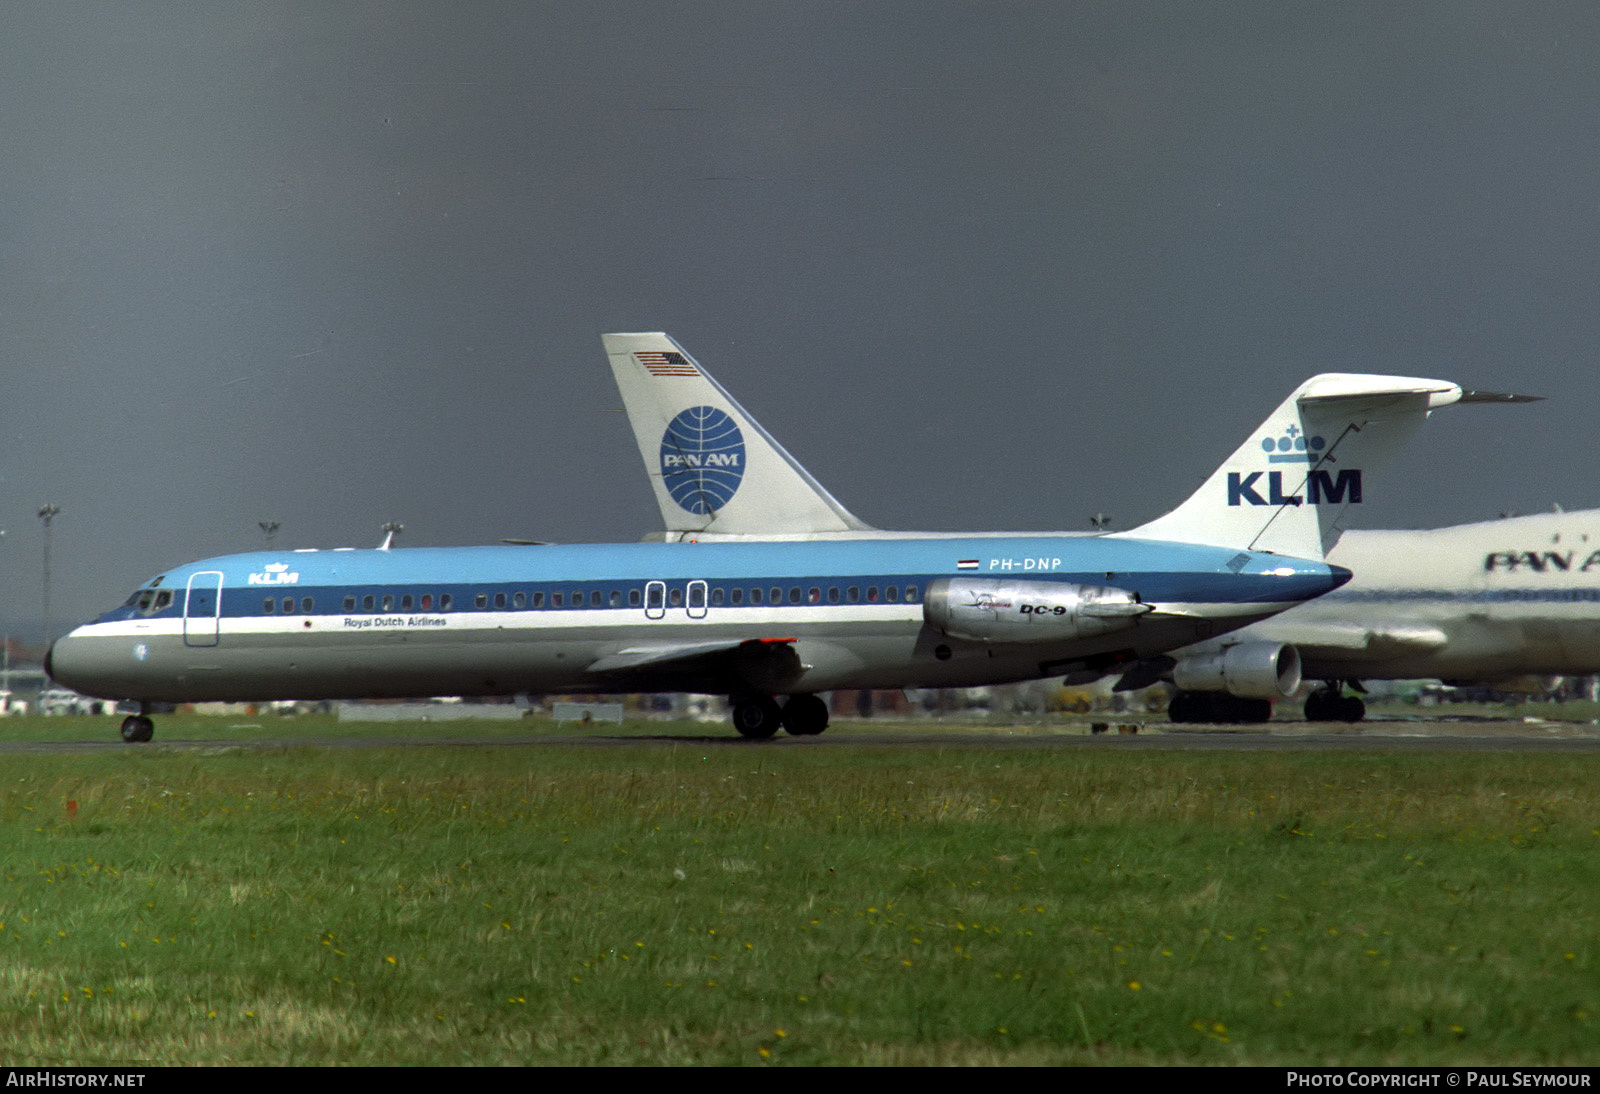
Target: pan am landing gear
{"points": [[1217, 708], [1330, 704], [758, 717]]}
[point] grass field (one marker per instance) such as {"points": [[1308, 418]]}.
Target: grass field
{"points": [[725, 903]]}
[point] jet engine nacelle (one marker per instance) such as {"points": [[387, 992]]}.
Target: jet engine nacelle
{"points": [[999, 610], [1249, 670]]}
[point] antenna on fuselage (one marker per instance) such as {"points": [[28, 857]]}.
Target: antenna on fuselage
{"points": [[390, 530]]}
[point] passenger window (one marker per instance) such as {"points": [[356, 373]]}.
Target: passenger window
{"points": [[814, 596], [595, 599], [911, 594], [405, 602], [737, 596], [306, 604], [653, 596], [520, 600], [538, 600], [794, 594], [755, 596], [853, 594], [349, 603], [555, 600], [481, 600], [427, 602], [616, 598], [577, 598], [777, 595], [833, 594], [716, 598], [269, 605], [288, 605], [893, 593], [633, 598], [444, 602], [499, 601], [367, 603], [697, 595], [677, 598], [872, 594]]}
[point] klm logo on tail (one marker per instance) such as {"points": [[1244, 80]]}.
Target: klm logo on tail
{"points": [[702, 459], [1322, 487]]}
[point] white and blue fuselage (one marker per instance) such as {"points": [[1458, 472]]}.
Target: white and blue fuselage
{"points": [[730, 617]]}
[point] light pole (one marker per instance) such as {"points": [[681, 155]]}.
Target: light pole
{"points": [[390, 530], [47, 513], [271, 528]]}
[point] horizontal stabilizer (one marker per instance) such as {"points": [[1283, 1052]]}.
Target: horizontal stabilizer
{"points": [[1498, 397]]}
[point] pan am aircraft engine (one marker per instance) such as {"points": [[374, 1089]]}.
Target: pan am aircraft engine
{"points": [[999, 610], [1249, 670]]}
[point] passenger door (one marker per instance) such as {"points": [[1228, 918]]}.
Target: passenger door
{"points": [[202, 609]]}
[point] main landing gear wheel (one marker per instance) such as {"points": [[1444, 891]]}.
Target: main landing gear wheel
{"points": [[805, 716], [756, 717], [136, 729], [1328, 705], [1217, 708]]}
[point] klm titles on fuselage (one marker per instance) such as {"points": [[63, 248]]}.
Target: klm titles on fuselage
{"points": [[380, 622]]}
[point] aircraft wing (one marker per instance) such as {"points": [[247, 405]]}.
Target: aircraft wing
{"points": [[685, 655], [1375, 643]]}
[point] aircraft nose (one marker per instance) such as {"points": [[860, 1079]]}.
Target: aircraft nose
{"points": [[66, 663]]}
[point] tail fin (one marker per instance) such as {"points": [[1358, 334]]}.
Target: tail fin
{"points": [[713, 467], [1288, 488]]}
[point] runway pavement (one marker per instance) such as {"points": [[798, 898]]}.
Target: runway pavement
{"points": [[1125, 733]]}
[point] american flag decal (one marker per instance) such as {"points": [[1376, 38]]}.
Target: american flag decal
{"points": [[967, 564], [666, 364]]}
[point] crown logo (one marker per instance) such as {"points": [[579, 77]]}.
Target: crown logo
{"points": [[277, 567], [1293, 447]]}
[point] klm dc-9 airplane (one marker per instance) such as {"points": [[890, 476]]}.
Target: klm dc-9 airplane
{"points": [[764, 587]]}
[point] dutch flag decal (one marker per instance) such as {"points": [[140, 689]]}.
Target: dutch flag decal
{"points": [[967, 564]]}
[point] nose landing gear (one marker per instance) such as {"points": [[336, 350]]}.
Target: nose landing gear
{"points": [[138, 728]]}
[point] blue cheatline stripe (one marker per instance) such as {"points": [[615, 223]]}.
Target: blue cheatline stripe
{"points": [[1472, 596]]}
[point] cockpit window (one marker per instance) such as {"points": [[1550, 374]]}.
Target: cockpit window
{"points": [[148, 601]]}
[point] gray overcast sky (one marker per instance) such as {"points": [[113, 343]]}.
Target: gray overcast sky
{"points": [[978, 265]]}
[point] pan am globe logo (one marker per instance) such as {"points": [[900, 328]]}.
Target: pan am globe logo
{"points": [[702, 459]]}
